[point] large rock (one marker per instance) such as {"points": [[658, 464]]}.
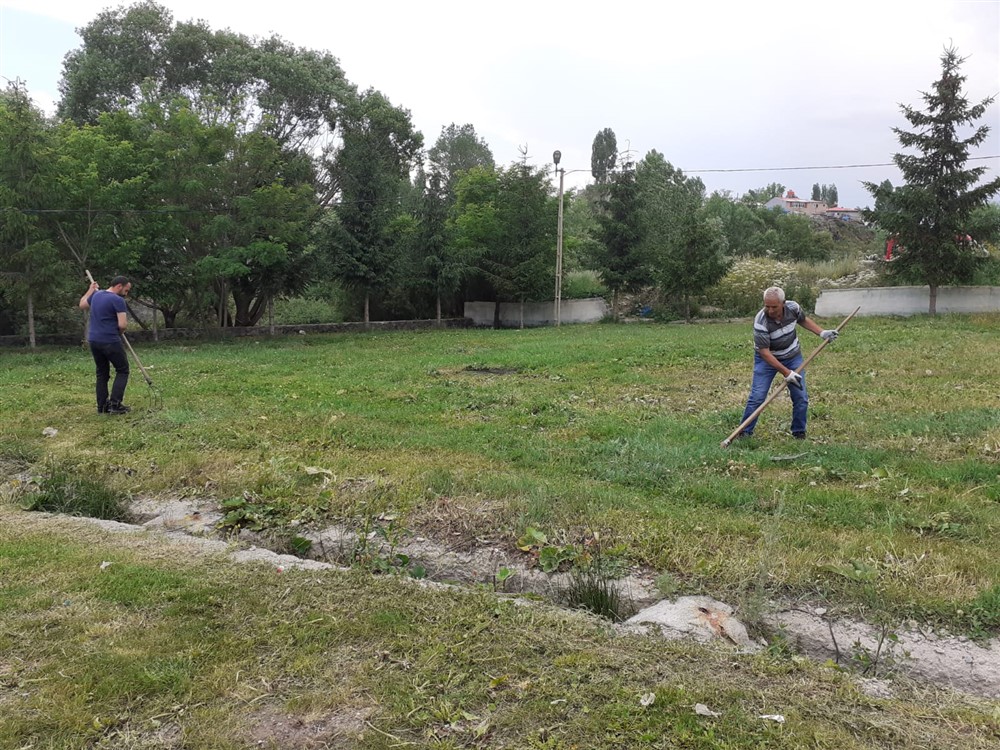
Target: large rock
{"points": [[698, 617]]}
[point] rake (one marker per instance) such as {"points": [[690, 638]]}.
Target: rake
{"points": [[155, 399]]}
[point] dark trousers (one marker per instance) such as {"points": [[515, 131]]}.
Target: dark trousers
{"points": [[106, 355]]}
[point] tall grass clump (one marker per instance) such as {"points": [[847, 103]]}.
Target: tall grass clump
{"points": [[62, 492]]}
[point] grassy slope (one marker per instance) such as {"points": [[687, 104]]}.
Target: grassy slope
{"points": [[129, 641]]}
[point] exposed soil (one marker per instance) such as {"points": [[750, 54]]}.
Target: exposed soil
{"points": [[948, 661]]}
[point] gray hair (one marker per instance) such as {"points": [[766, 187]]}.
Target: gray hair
{"points": [[775, 292]]}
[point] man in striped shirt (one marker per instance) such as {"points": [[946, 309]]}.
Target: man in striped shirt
{"points": [[777, 351]]}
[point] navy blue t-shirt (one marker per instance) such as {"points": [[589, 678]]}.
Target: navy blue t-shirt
{"points": [[104, 309]]}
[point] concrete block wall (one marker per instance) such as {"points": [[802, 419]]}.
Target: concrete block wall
{"points": [[537, 313], [907, 300]]}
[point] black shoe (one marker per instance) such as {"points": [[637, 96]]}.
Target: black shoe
{"points": [[102, 409], [799, 435], [113, 408]]}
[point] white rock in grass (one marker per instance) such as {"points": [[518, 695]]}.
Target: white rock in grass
{"points": [[50, 432], [698, 617]]}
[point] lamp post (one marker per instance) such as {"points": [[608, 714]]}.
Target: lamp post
{"points": [[557, 302]]}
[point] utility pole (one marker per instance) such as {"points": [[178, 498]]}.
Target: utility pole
{"points": [[557, 303]]}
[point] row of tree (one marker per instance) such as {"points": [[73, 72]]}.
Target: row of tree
{"points": [[222, 172]]}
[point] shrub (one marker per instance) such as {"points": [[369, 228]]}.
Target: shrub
{"points": [[583, 285], [302, 310], [988, 272], [741, 288]]}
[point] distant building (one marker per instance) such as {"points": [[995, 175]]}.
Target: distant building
{"points": [[846, 214], [790, 203]]}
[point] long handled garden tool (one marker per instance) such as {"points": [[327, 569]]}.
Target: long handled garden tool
{"points": [[782, 385], [155, 399]]}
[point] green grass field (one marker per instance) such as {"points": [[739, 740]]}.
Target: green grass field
{"points": [[887, 512], [891, 508]]}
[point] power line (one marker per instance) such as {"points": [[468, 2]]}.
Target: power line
{"points": [[790, 169]]}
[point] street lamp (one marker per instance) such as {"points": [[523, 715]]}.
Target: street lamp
{"points": [[557, 302]]}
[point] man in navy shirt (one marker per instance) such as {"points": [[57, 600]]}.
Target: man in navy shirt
{"points": [[777, 351], [108, 320]]}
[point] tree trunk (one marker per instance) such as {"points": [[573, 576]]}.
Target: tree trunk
{"points": [[367, 319], [156, 330], [31, 320], [222, 304], [439, 310], [270, 314], [933, 302], [496, 315], [521, 310]]}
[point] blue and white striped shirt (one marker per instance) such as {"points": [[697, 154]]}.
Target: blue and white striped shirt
{"points": [[779, 335]]}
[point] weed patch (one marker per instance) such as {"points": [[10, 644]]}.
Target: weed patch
{"points": [[61, 491]]}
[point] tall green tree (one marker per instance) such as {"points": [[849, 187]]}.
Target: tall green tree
{"points": [[439, 264], [102, 180], [373, 164], [603, 155], [930, 214], [28, 259], [685, 246], [740, 223], [505, 223], [695, 260], [817, 192], [137, 54], [622, 257], [457, 150]]}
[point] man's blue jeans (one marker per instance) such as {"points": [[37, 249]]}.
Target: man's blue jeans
{"points": [[763, 374]]}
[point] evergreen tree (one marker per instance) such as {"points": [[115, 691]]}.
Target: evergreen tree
{"points": [[620, 260], [817, 193], [603, 155], [929, 216]]}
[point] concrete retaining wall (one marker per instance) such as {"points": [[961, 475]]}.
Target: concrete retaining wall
{"points": [[907, 300], [537, 313]]}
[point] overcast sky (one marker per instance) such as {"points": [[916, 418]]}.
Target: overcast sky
{"points": [[716, 85]]}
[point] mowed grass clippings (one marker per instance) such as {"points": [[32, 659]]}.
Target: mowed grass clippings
{"points": [[132, 641], [888, 510]]}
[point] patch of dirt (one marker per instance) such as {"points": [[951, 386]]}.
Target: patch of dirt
{"points": [[462, 523], [273, 728], [953, 662], [492, 370]]}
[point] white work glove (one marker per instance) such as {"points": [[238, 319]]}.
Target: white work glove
{"points": [[793, 379], [828, 335]]}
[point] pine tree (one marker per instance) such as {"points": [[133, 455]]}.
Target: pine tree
{"points": [[929, 215], [623, 265]]}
